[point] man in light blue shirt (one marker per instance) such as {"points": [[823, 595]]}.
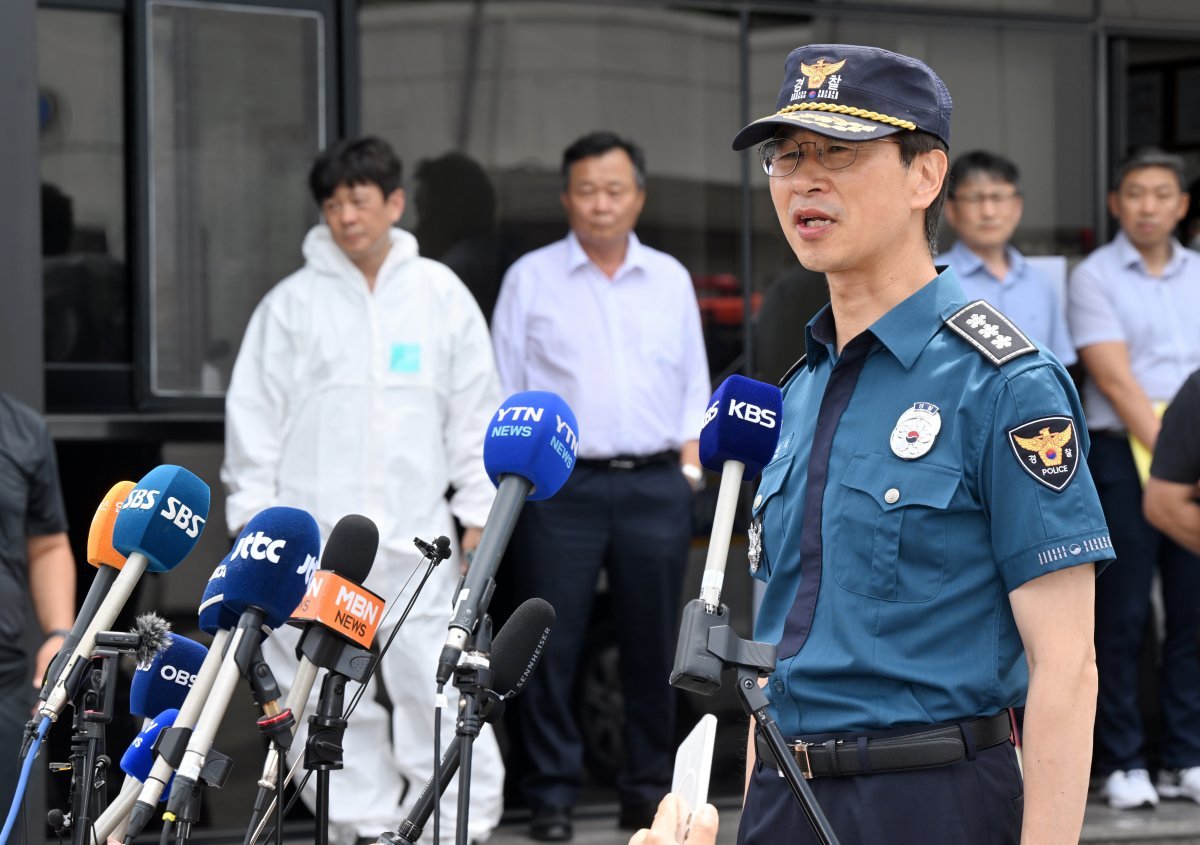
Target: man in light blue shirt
{"points": [[984, 209], [1134, 310], [613, 327]]}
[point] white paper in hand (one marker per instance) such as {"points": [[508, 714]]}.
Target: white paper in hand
{"points": [[693, 764]]}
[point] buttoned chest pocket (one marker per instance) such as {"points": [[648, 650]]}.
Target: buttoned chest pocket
{"points": [[763, 532], [891, 535]]}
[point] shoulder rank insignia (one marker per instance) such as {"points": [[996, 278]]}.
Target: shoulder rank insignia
{"points": [[792, 370], [1046, 450], [990, 332]]}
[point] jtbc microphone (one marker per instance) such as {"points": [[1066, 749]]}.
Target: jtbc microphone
{"points": [[156, 526], [529, 451], [516, 650], [265, 579], [738, 438]]}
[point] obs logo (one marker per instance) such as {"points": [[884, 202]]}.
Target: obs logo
{"points": [[177, 676], [182, 517], [258, 546]]}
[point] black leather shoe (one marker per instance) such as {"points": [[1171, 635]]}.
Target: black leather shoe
{"points": [[636, 816], [551, 824]]}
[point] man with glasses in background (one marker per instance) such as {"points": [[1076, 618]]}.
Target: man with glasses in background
{"points": [[927, 530], [984, 210], [1133, 308]]}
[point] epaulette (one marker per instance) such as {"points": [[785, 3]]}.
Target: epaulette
{"points": [[792, 370], [990, 332]]}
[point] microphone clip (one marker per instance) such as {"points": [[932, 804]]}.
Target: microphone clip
{"points": [[436, 551]]}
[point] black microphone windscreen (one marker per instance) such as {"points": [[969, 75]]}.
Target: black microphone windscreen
{"points": [[518, 646], [350, 550]]}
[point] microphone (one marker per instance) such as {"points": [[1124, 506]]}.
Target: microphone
{"points": [[516, 650], [738, 438], [528, 452], [108, 562], [156, 526], [215, 620], [264, 581]]}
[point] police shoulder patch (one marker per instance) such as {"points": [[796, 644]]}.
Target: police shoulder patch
{"points": [[1046, 448], [990, 332]]}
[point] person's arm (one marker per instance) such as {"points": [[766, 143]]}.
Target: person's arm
{"points": [[1107, 364], [508, 333], [52, 587], [1173, 509], [1055, 617]]}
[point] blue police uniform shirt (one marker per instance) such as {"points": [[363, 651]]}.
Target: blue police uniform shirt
{"points": [[912, 623]]}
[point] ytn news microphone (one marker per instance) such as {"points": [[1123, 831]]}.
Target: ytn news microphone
{"points": [[265, 577], [136, 763], [738, 438], [516, 650], [528, 451], [156, 526]]}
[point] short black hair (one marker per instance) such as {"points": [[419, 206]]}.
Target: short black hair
{"points": [[354, 161], [597, 144], [912, 144], [987, 163], [1149, 157]]}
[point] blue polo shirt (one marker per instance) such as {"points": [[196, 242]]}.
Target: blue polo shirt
{"points": [[911, 623]]}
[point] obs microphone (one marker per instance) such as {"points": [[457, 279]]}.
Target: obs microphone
{"points": [[528, 452], [156, 526], [738, 438]]}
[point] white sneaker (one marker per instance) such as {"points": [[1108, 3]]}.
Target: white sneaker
{"points": [[1130, 790], [1180, 783]]}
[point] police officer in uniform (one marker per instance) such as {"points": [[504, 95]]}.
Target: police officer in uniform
{"points": [[928, 531]]}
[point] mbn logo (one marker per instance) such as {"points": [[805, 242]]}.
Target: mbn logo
{"points": [[752, 414], [519, 413]]}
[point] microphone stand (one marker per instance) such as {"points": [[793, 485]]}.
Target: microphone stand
{"points": [[706, 647], [473, 678], [276, 724]]}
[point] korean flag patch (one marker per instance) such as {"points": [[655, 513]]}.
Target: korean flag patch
{"points": [[1047, 449]]}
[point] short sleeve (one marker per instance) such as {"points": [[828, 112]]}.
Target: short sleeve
{"points": [[1091, 315], [1177, 453], [1042, 503], [46, 513]]}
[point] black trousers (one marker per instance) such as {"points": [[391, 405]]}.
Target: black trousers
{"points": [[973, 802], [636, 526]]}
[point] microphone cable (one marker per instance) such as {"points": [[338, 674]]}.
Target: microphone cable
{"points": [[434, 553], [23, 781]]}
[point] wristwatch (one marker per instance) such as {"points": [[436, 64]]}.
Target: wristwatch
{"points": [[694, 475]]}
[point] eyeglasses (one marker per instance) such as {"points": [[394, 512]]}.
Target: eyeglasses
{"points": [[781, 156], [996, 198]]}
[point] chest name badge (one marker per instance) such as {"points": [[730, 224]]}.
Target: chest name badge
{"points": [[916, 430], [1046, 450]]}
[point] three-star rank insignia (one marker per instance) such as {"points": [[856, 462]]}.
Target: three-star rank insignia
{"points": [[916, 430], [990, 332], [1046, 448]]}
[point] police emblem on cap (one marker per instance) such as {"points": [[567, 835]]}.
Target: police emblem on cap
{"points": [[1046, 450], [916, 430]]}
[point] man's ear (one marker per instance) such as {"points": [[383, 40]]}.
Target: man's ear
{"points": [[395, 204], [928, 172]]}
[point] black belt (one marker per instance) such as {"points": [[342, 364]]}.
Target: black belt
{"points": [[630, 462], [922, 749]]}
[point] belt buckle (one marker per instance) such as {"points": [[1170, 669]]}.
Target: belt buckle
{"points": [[800, 753], [622, 463]]}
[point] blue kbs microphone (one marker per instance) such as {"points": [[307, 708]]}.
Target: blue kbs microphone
{"points": [[738, 438], [156, 527], [528, 452]]}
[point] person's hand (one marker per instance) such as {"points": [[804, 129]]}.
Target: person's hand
{"points": [[668, 827], [43, 657], [470, 542]]}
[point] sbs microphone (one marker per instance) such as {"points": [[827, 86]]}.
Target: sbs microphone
{"points": [[265, 577], [528, 452], [738, 438], [156, 526]]}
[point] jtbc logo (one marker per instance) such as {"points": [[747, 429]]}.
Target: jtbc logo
{"points": [[258, 546], [177, 676]]}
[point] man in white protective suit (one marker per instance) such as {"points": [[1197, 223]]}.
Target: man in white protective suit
{"points": [[364, 384]]}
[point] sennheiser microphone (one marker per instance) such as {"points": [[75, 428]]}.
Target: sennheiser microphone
{"points": [[217, 621], [265, 579], [157, 525], [529, 451], [738, 438], [516, 650]]}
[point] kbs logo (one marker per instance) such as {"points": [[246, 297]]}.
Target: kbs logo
{"points": [[710, 414], [177, 676], [181, 515], [751, 413], [259, 547], [139, 499]]}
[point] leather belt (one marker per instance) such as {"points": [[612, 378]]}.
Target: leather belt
{"points": [[628, 463], [922, 749]]}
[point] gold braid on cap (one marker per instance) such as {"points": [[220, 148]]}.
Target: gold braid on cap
{"points": [[850, 110]]}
